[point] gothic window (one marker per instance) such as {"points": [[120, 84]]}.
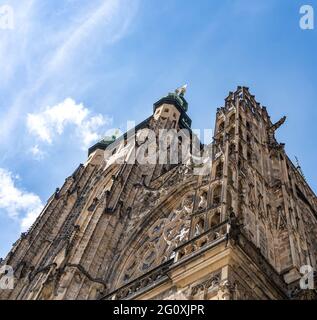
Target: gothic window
{"points": [[229, 201], [219, 170], [232, 149], [249, 126], [231, 134], [241, 133], [249, 155], [251, 195], [270, 251], [214, 219], [262, 241], [258, 186], [269, 210], [221, 126], [199, 227], [241, 148], [261, 208], [216, 196], [232, 119], [279, 210], [221, 140], [203, 201], [156, 245], [249, 221], [230, 176]]}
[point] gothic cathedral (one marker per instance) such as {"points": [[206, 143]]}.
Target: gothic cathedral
{"points": [[120, 230]]}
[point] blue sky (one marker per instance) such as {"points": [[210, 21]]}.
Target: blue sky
{"points": [[71, 69]]}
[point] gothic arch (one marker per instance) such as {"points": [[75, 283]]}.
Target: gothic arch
{"points": [[155, 236], [219, 170], [216, 195]]}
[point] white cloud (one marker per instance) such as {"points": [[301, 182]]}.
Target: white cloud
{"points": [[30, 217], [48, 124], [18, 204]]}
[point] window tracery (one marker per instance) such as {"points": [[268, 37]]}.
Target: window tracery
{"points": [[159, 241]]}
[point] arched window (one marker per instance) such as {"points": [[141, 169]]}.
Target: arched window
{"points": [[232, 149], [203, 201], [230, 176], [219, 170], [216, 199], [241, 133], [231, 134], [241, 148], [221, 140], [215, 219], [229, 201], [232, 119], [221, 126], [199, 227], [263, 241]]}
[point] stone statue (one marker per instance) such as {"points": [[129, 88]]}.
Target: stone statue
{"points": [[181, 90]]}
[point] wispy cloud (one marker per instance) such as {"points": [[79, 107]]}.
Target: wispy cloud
{"points": [[18, 204]]}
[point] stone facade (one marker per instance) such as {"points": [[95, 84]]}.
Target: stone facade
{"points": [[158, 231]]}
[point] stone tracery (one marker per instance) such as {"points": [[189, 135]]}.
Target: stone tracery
{"points": [[157, 244]]}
